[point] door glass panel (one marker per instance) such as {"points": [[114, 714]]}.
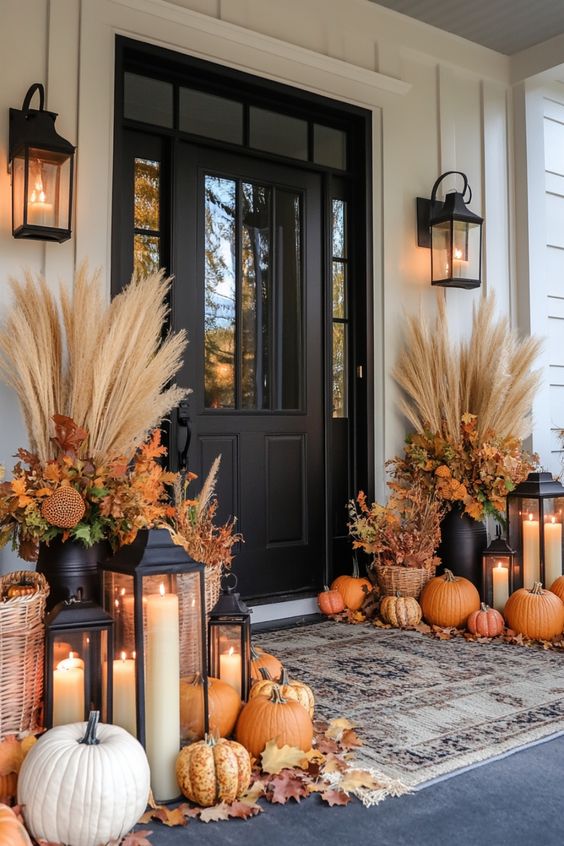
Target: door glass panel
{"points": [[220, 244], [276, 133], [255, 296], [146, 254], [329, 147], [339, 289], [212, 116], [147, 193], [338, 229], [289, 310], [147, 100], [339, 370]]}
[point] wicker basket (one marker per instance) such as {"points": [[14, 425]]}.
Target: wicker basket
{"points": [[409, 581], [22, 644], [190, 620]]}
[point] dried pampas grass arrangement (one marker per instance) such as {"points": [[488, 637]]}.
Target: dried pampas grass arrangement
{"points": [[489, 375], [105, 365]]}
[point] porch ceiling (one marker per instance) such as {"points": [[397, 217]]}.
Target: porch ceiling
{"points": [[507, 26]]}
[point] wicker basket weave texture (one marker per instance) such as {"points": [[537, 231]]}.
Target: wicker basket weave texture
{"points": [[409, 581], [190, 625], [22, 645]]}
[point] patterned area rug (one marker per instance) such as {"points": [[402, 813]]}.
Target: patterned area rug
{"points": [[423, 707]]}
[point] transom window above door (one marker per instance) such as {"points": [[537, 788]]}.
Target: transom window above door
{"points": [[201, 113]]}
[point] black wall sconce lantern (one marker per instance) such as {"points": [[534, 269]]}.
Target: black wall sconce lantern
{"points": [[454, 234], [41, 163]]}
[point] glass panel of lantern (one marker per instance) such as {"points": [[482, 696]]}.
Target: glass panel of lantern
{"points": [[535, 513], [156, 595], [497, 572], [78, 674], [229, 639]]}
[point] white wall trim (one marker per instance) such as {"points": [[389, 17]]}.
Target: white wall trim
{"points": [[261, 43]]}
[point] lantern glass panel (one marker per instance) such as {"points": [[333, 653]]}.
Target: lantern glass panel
{"points": [[79, 662], [227, 653], [119, 600], [440, 250], [48, 189], [466, 250], [553, 516], [497, 580], [18, 190]]}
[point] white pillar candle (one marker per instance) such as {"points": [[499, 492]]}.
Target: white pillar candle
{"points": [[124, 694], [500, 581], [230, 669], [552, 551], [72, 662], [531, 560], [162, 693], [68, 695]]}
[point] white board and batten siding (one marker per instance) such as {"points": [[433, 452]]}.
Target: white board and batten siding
{"points": [[553, 290]]}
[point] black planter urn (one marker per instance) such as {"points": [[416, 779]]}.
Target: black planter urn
{"points": [[462, 542], [71, 570]]}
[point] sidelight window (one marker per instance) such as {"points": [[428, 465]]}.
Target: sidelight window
{"points": [[340, 321], [146, 216]]}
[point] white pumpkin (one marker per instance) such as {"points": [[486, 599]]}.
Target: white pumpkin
{"points": [[84, 784]]}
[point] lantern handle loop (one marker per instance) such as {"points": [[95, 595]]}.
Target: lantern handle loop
{"points": [[225, 584], [37, 86], [452, 173]]}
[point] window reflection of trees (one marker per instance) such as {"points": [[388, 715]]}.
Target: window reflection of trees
{"points": [[219, 320], [255, 295], [146, 247]]}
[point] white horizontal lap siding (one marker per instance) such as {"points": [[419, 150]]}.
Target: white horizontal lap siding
{"points": [[552, 292]]}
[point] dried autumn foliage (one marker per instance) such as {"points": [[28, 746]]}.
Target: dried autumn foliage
{"points": [[192, 522], [120, 497], [488, 375], [476, 470], [103, 364], [406, 532]]}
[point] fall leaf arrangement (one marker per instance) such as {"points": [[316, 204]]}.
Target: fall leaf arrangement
{"points": [[405, 532], [192, 521], [74, 496], [475, 471], [469, 404]]}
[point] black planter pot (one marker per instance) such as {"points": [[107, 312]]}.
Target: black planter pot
{"points": [[71, 568], [462, 542]]}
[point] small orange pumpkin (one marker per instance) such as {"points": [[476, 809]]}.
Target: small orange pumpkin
{"points": [[330, 602], [536, 613], [212, 771], [448, 600], [12, 832], [557, 587], [487, 622], [224, 705], [273, 718], [353, 589], [290, 689], [260, 659]]}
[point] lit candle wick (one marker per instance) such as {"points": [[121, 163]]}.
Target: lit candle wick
{"points": [[162, 589], [123, 656]]}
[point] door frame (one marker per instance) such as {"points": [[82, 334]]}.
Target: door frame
{"points": [[162, 63]]}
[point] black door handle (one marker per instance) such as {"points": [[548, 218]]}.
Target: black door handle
{"points": [[183, 418]]}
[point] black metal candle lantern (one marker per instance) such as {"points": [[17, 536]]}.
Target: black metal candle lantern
{"points": [[535, 513], [41, 163], [156, 595], [78, 669], [229, 638], [454, 234], [497, 572]]}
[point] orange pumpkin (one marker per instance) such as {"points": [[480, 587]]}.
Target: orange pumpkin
{"points": [[212, 771], [330, 602], [224, 705], [260, 659], [353, 588], [273, 718], [448, 600], [289, 689], [536, 613], [557, 587], [487, 622], [12, 832]]}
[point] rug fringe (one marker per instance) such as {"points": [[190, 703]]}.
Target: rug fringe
{"points": [[381, 786]]}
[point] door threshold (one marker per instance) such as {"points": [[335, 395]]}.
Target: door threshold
{"points": [[272, 611], [287, 623]]}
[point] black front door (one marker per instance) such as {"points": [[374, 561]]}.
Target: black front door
{"points": [[248, 288]]}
